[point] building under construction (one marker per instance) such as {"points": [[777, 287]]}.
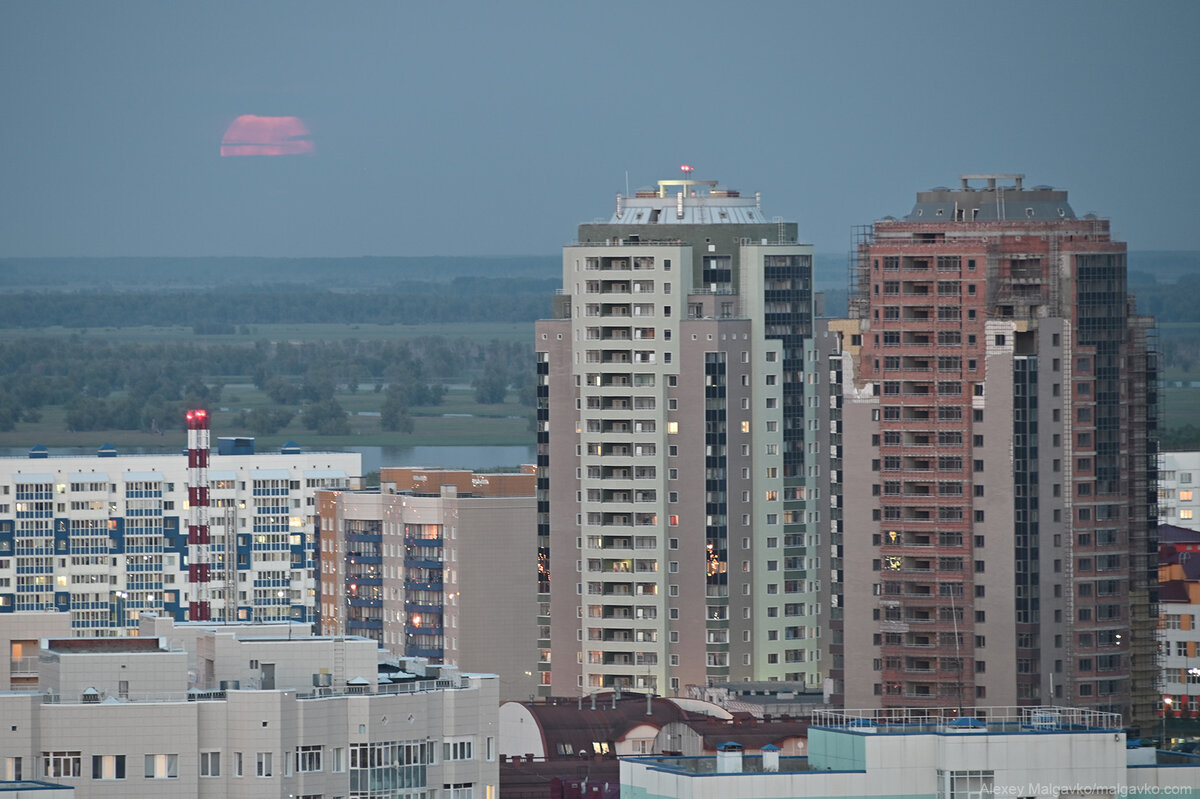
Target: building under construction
{"points": [[993, 394]]}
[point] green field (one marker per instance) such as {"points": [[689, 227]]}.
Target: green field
{"points": [[459, 420]]}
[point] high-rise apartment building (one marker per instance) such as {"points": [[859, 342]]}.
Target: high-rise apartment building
{"points": [[992, 460], [673, 478]]}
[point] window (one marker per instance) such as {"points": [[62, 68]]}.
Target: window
{"points": [[161, 767], [210, 764], [263, 768], [61, 764], [108, 767], [457, 748], [237, 764], [308, 758]]}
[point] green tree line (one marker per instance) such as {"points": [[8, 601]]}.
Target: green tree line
{"points": [[480, 299], [108, 385]]}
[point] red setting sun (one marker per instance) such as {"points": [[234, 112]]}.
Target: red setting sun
{"points": [[250, 134]]}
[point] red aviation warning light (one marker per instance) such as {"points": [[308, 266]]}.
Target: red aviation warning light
{"points": [[686, 168]]}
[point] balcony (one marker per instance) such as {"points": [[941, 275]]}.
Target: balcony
{"points": [[26, 666]]}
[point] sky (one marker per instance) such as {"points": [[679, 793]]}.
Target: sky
{"points": [[494, 128]]}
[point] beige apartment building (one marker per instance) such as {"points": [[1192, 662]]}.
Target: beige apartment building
{"points": [[675, 524], [438, 564]]}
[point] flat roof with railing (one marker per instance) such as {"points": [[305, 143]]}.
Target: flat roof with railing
{"points": [[1008, 719], [97, 697]]}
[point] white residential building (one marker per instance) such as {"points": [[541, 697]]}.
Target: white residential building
{"points": [[1179, 489], [105, 537], [127, 717], [1030, 752]]}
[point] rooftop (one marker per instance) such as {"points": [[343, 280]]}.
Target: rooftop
{"points": [[1171, 534], [992, 202], [688, 201], [69, 646], [1008, 719], [693, 766]]}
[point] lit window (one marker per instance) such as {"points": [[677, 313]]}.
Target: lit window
{"points": [[672, 427], [746, 426], [674, 520], [1186, 496], [1185, 513]]}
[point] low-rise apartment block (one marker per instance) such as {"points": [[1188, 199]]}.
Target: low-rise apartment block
{"points": [[438, 564]]}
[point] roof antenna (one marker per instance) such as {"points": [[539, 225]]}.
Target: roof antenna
{"points": [[626, 182]]}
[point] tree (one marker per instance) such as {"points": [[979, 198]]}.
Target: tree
{"points": [[394, 414], [327, 417], [491, 387], [268, 421]]}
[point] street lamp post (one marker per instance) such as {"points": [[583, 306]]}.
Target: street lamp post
{"points": [[1191, 672], [1167, 702]]}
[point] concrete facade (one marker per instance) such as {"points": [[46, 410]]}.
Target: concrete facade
{"points": [[1033, 752], [1179, 489], [1179, 622], [673, 485], [104, 538], [437, 564], [143, 727]]}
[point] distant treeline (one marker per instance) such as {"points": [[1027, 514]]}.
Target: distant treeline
{"points": [[151, 274], [477, 299], [130, 386]]}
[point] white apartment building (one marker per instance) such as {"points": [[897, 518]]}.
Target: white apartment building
{"points": [[125, 718], [1029, 752], [105, 537], [1179, 489]]}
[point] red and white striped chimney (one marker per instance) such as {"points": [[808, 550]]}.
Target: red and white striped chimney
{"points": [[199, 560]]}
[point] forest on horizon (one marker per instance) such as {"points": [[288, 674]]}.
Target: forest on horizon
{"points": [[400, 336]]}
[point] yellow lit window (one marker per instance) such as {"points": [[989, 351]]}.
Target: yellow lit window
{"points": [[1185, 513], [746, 426], [672, 427]]}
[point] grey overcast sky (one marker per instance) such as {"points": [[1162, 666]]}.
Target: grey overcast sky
{"points": [[464, 128]]}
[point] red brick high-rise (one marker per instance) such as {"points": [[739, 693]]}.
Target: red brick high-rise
{"points": [[992, 460]]}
